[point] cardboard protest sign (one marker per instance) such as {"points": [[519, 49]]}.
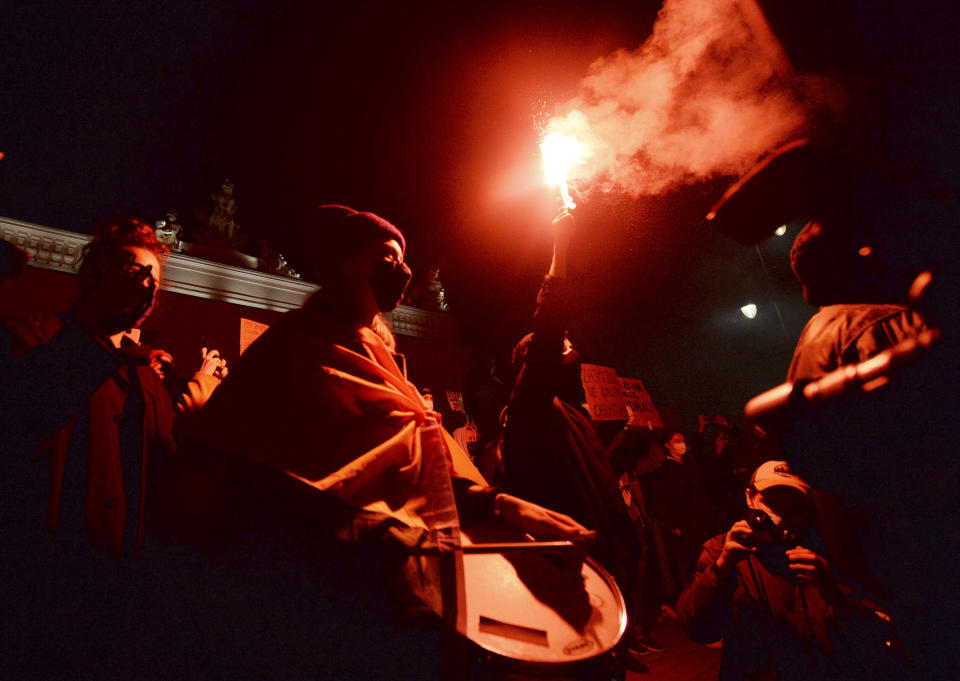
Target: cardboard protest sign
{"points": [[249, 332], [640, 409], [604, 393], [455, 400]]}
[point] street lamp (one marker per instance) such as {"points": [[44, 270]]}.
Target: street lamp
{"points": [[749, 310]]}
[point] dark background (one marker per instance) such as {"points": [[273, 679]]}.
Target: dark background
{"points": [[428, 114]]}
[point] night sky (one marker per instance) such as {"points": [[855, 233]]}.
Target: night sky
{"points": [[427, 113]]}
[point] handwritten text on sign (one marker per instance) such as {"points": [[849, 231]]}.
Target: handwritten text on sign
{"points": [[604, 393], [249, 332], [455, 400], [640, 409]]}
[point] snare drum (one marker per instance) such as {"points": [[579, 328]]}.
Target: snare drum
{"points": [[531, 610]]}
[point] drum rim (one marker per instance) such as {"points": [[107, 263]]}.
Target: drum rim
{"points": [[558, 665]]}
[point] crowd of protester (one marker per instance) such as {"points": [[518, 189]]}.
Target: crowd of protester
{"points": [[300, 515], [128, 488]]}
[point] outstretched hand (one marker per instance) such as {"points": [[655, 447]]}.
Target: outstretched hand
{"points": [[542, 522]]}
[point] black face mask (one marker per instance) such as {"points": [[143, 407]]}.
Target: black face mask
{"points": [[135, 293], [123, 296], [389, 280], [137, 313]]}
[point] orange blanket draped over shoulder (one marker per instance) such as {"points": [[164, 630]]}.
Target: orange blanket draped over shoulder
{"points": [[329, 405]]}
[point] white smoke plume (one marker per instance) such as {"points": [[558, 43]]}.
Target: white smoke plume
{"points": [[707, 94]]}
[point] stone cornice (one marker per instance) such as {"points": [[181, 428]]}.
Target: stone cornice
{"points": [[435, 326], [238, 285], [59, 249], [49, 248]]}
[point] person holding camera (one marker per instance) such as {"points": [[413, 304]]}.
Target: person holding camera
{"points": [[766, 590]]}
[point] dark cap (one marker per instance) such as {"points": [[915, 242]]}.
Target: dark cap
{"points": [[334, 232], [350, 229]]}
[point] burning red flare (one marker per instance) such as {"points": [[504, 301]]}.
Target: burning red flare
{"points": [[560, 154]]}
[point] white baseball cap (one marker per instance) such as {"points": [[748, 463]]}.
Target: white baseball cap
{"points": [[774, 473]]}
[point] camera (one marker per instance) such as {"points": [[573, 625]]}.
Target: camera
{"points": [[757, 519], [764, 530]]}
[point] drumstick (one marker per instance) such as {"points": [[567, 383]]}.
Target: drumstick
{"points": [[520, 547]]}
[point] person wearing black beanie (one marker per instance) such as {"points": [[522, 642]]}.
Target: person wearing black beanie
{"points": [[323, 436]]}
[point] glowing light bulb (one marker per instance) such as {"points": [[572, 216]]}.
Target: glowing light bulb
{"points": [[749, 310], [781, 230]]}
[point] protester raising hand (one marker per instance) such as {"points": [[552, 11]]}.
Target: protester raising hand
{"points": [[564, 227]]}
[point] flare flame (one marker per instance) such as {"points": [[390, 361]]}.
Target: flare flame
{"points": [[560, 154]]}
